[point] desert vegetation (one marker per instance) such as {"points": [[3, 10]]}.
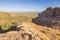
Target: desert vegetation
{"points": [[9, 19], [31, 25]]}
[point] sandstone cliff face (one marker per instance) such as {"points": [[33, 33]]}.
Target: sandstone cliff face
{"points": [[49, 17]]}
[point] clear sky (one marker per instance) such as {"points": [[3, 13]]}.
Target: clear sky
{"points": [[27, 5]]}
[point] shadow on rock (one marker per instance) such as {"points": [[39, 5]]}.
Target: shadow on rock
{"points": [[49, 17], [12, 28]]}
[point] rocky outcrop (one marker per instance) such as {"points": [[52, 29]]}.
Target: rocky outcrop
{"points": [[27, 32], [31, 31], [49, 17]]}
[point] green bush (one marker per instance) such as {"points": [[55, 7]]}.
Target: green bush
{"points": [[6, 26]]}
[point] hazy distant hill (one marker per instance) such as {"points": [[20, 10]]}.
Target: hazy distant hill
{"points": [[16, 17]]}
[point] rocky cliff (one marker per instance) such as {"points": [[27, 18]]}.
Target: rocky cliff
{"points": [[49, 17]]}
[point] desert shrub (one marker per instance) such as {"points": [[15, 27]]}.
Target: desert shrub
{"points": [[13, 26], [43, 31], [14, 23], [6, 26], [58, 34], [0, 29]]}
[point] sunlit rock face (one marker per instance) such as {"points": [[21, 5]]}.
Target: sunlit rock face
{"points": [[49, 17]]}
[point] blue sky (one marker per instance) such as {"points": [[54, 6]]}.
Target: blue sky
{"points": [[27, 5]]}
